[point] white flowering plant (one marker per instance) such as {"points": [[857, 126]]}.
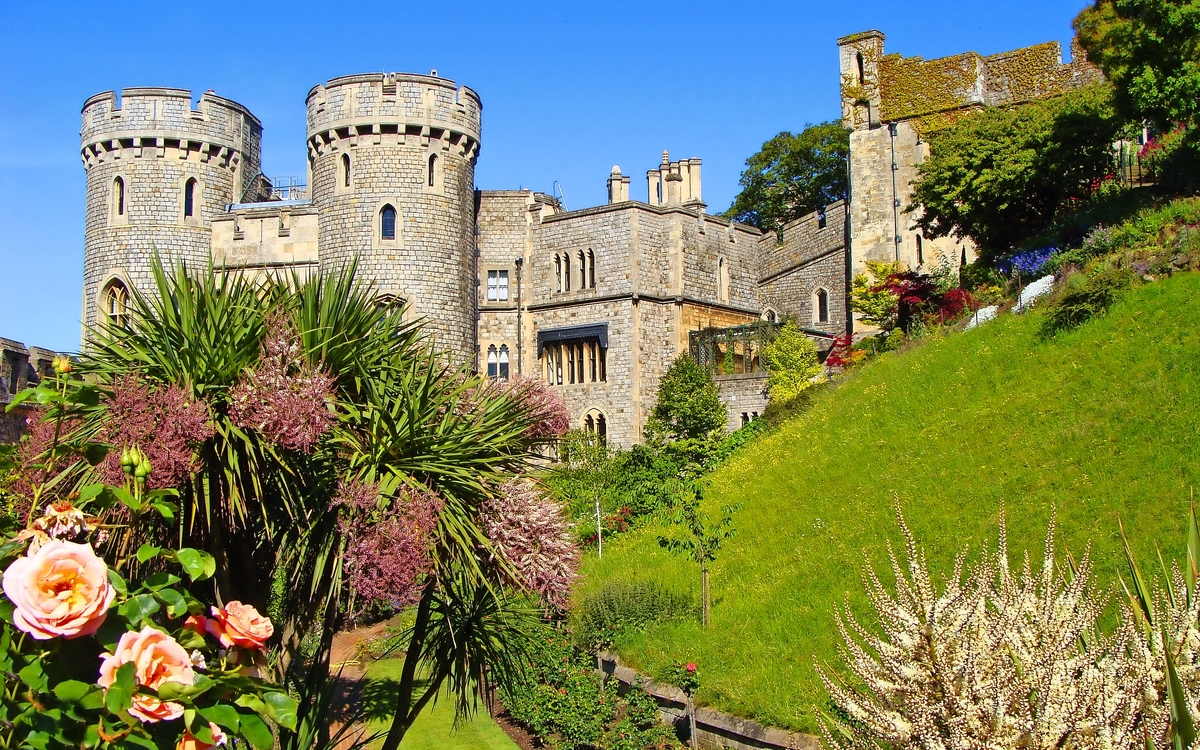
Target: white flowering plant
{"points": [[110, 649]]}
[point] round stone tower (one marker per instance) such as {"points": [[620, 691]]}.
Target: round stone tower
{"points": [[392, 173], [158, 171]]}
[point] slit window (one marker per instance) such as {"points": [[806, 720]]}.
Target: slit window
{"points": [[862, 73], [119, 196], [432, 175], [387, 223], [591, 269], [189, 198], [557, 274], [920, 251], [566, 272], [345, 170]]}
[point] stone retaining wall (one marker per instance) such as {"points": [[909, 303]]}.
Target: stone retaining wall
{"points": [[714, 729]]}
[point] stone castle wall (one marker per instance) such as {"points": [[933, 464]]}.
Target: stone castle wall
{"points": [[890, 102], [813, 256], [153, 141], [394, 135]]}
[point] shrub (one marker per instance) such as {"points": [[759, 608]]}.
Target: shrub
{"points": [[791, 359], [624, 607], [688, 405], [1084, 297], [567, 706]]}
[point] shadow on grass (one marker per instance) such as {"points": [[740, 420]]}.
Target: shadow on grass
{"points": [[379, 697]]}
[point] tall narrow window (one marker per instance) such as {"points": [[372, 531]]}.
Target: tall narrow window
{"points": [[822, 306], [862, 73], [503, 288], [493, 362], [721, 278], [557, 274], [189, 198], [821, 221], [566, 272], [558, 364], [592, 361], [920, 251], [432, 176], [601, 426], [591, 270], [582, 271], [119, 197], [387, 223], [504, 361], [345, 170], [603, 364], [570, 363], [116, 302], [579, 363], [589, 423]]}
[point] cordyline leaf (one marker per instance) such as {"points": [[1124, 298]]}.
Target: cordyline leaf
{"points": [[1183, 731], [1142, 595]]}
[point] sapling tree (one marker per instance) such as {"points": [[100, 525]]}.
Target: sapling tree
{"points": [[703, 539]]}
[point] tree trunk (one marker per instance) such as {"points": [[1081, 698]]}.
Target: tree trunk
{"points": [[403, 717], [599, 532], [705, 606]]}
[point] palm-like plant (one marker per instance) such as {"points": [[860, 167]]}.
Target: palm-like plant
{"points": [[408, 421]]}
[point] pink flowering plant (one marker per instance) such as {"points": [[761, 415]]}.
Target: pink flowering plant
{"points": [[100, 648]]}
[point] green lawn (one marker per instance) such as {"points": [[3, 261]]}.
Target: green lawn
{"points": [[434, 728], [1100, 423]]}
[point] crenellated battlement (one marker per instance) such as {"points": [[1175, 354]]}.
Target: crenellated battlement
{"points": [[393, 109], [162, 123]]}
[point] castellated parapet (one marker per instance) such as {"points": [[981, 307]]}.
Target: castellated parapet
{"points": [[392, 175], [158, 172]]}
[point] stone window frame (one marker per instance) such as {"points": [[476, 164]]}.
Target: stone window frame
{"points": [[195, 219], [377, 240], [501, 274], [118, 218], [594, 421], [499, 360], [113, 280], [722, 279], [435, 167], [344, 178], [816, 306], [770, 315]]}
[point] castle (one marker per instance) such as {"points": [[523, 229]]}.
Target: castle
{"points": [[597, 301]]}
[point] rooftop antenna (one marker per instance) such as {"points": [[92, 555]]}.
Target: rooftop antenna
{"points": [[558, 193]]}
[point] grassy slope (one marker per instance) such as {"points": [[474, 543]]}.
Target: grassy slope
{"points": [[1101, 422], [434, 729]]}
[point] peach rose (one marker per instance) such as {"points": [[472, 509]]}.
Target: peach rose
{"points": [[189, 742], [240, 625], [61, 589], [159, 658]]}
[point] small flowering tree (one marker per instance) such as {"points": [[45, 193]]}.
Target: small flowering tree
{"points": [[113, 650]]}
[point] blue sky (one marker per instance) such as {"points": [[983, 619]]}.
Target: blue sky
{"points": [[569, 89]]}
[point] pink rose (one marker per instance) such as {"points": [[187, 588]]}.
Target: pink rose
{"points": [[189, 742], [61, 589], [159, 658], [240, 625]]}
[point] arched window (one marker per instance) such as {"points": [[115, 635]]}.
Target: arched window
{"points": [[920, 251], [601, 426], [118, 197], [721, 278], [493, 362], [116, 302], [821, 306], [387, 223], [862, 74], [566, 272], [189, 198], [591, 270], [504, 361], [595, 423], [589, 423], [557, 274], [432, 177], [345, 170]]}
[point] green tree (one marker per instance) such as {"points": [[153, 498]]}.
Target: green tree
{"points": [[1150, 51], [688, 404], [1001, 176], [702, 541], [792, 175], [791, 359]]}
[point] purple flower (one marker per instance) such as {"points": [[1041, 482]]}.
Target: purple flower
{"points": [[1028, 263], [534, 536], [388, 545], [164, 422], [285, 398]]}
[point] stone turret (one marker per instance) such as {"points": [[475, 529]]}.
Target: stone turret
{"points": [[392, 174], [158, 171]]}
